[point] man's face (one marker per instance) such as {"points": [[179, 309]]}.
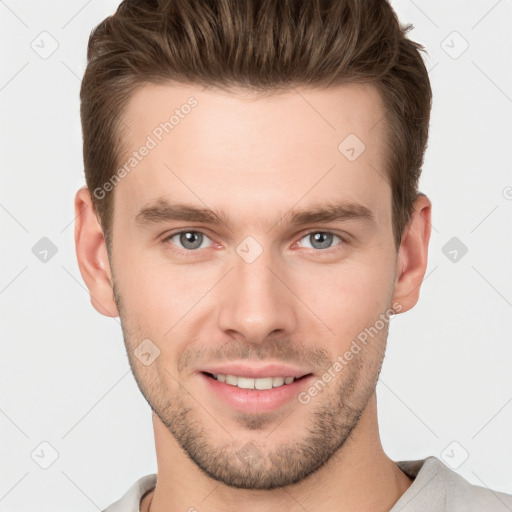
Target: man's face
{"points": [[256, 288]]}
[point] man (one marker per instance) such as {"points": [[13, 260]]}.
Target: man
{"points": [[252, 216]]}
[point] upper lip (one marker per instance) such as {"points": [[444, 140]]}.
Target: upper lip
{"points": [[254, 371]]}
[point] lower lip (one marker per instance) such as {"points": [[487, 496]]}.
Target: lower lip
{"points": [[256, 400]]}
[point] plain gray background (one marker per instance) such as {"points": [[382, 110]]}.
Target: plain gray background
{"points": [[446, 384]]}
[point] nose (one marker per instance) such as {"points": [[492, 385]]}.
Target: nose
{"points": [[256, 300]]}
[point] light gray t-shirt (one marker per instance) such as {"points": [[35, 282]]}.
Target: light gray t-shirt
{"points": [[436, 488]]}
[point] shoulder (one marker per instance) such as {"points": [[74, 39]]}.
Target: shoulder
{"points": [[130, 501], [437, 487]]}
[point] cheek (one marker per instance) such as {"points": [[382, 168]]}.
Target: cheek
{"points": [[146, 282], [160, 295], [348, 298]]}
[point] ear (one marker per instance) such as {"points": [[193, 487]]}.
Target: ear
{"points": [[92, 256], [411, 262]]}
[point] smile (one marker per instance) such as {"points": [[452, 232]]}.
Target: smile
{"points": [[256, 383]]}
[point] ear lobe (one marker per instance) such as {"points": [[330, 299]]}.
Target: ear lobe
{"points": [[413, 254], [92, 256]]}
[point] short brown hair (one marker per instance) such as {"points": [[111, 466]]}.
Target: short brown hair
{"points": [[262, 46]]}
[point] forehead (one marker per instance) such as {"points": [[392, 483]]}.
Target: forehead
{"points": [[251, 153]]}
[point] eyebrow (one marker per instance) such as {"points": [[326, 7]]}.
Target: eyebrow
{"points": [[162, 211]]}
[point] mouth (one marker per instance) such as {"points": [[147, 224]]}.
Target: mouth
{"points": [[254, 395], [261, 383]]}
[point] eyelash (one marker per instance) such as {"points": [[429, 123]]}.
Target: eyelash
{"points": [[189, 251]]}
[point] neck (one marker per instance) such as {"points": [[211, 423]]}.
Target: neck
{"points": [[358, 477]]}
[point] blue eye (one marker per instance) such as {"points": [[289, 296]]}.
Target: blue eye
{"points": [[192, 240], [321, 239], [189, 240]]}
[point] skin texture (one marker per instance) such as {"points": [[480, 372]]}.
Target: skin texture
{"points": [[299, 302]]}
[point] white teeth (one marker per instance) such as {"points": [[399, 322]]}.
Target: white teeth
{"points": [[263, 383], [245, 383], [231, 379], [249, 383], [277, 381]]}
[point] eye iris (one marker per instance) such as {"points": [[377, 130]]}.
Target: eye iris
{"points": [[187, 239], [193, 239], [325, 239]]}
